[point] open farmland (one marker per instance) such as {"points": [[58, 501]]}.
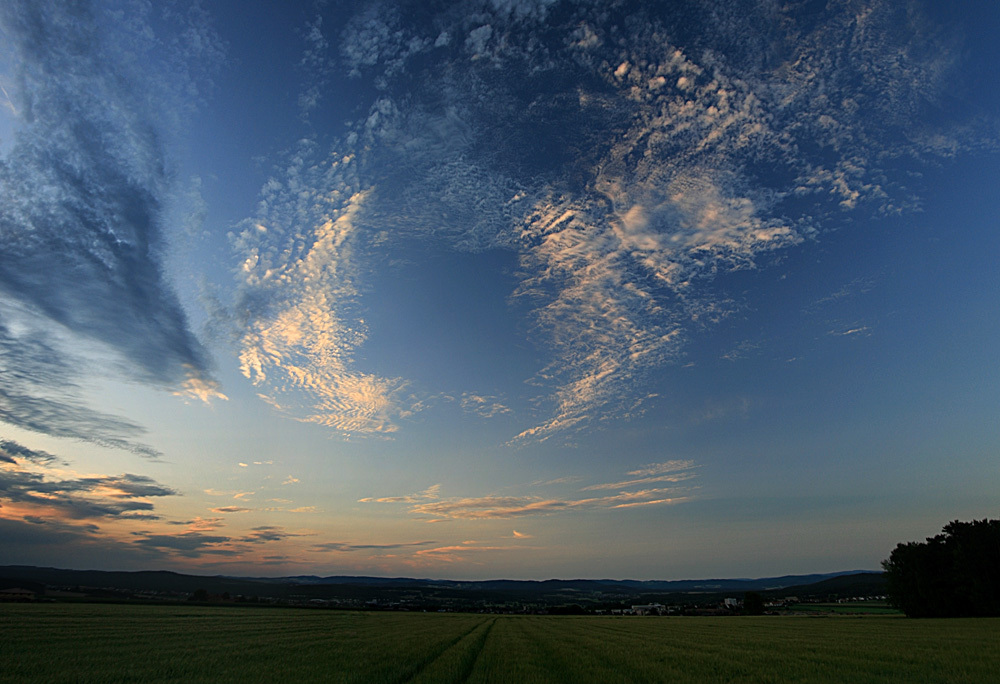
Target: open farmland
{"points": [[82, 643]]}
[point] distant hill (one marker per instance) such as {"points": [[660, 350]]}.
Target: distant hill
{"points": [[843, 586], [351, 591]]}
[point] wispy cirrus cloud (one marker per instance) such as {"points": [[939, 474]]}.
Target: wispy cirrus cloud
{"points": [[675, 477], [430, 493], [39, 391], [199, 524], [430, 505], [673, 466], [84, 193], [462, 552], [347, 546], [626, 158], [500, 507]]}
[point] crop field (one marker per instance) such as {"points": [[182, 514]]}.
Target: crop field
{"points": [[83, 643]]}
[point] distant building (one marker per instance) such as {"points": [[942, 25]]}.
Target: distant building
{"points": [[648, 609], [17, 594]]}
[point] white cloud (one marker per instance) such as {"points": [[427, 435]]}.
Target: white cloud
{"points": [[687, 161], [300, 278]]}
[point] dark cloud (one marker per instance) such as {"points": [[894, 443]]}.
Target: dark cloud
{"points": [[35, 541], [231, 509], [87, 498], [84, 191], [267, 533], [10, 451], [193, 544], [129, 486], [187, 544], [199, 524]]}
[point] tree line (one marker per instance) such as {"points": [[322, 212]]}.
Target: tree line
{"points": [[953, 574]]}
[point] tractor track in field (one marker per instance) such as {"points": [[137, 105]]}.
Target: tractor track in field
{"points": [[473, 645]]}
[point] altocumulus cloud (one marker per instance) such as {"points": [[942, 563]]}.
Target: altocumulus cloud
{"points": [[627, 155], [84, 191]]}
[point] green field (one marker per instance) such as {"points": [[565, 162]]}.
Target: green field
{"points": [[136, 644]]}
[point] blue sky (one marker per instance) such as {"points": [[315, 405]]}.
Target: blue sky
{"points": [[497, 288]]}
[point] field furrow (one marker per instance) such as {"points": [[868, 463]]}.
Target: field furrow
{"points": [[453, 665]]}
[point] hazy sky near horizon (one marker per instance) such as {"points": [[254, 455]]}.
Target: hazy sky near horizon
{"points": [[496, 288]]}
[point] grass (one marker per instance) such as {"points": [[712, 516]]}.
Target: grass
{"points": [[81, 643]]}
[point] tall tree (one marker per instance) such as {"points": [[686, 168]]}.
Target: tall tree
{"points": [[956, 573]]}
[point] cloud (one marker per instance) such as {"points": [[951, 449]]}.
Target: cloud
{"points": [[199, 524], [431, 505], [502, 507], [460, 552], [230, 509], [84, 194], [858, 286], [483, 406], [664, 467], [195, 543], [429, 493], [188, 544], [569, 479], [676, 477], [265, 534], [10, 451], [39, 392], [860, 331], [346, 547], [27, 486], [298, 294], [627, 164], [49, 542]]}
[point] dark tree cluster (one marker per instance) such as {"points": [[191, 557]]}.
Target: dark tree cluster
{"points": [[753, 603], [954, 574]]}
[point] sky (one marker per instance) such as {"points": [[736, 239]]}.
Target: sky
{"points": [[496, 288]]}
